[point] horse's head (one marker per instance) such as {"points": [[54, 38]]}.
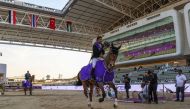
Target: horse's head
{"points": [[112, 55], [31, 79], [114, 50]]}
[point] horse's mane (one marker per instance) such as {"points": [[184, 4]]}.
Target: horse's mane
{"points": [[107, 58]]}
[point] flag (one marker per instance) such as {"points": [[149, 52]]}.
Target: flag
{"points": [[33, 20], [12, 17], [52, 23], [69, 26]]}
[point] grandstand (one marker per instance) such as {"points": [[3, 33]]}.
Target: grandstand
{"points": [[150, 38], [165, 74]]}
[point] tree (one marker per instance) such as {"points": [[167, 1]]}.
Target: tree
{"points": [[60, 76], [48, 77]]}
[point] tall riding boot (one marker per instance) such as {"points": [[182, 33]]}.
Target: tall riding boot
{"points": [[92, 74]]}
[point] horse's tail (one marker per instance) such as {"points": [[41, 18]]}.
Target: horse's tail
{"points": [[79, 82], [23, 83]]}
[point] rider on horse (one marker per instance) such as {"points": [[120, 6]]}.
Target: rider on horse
{"points": [[27, 76], [98, 52], [27, 84]]}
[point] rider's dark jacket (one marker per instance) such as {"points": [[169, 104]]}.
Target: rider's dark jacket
{"points": [[97, 50], [27, 76]]}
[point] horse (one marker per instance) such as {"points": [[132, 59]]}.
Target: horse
{"points": [[104, 74], [27, 84]]}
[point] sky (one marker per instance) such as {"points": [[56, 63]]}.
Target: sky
{"points": [[56, 4], [42, 61]]}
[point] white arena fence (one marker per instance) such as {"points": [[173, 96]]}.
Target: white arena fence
{"points": [[160, 88]]}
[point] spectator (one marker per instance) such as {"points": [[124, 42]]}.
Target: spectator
{"points": [[127, 85], [135, 69], [140, 67], [180, 85], [152, 77], [145, 78]]}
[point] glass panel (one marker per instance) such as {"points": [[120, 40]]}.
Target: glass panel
{"points": [[55, 4]]}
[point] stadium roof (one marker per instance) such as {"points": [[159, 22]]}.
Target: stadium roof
{"points": [[109, 14], [89, 18]]}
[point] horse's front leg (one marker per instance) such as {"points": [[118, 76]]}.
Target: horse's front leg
{"points": [[25, 90], [30, 90], [91, 84], [85, 91], [91, 90], [85, 88], [101, 86], [112, 85]]}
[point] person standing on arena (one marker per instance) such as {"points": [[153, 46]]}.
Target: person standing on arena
{"points": [[152, 77], [145, 78], [180, 85], [127, 85]]}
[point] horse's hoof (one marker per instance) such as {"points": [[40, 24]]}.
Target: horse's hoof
{"points": [[101, 100], [90, 106], [115, 106]]}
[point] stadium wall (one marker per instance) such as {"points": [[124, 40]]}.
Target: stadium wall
{"points": [[187, 21]]}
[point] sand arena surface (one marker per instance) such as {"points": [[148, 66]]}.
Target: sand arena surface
{"points": [[73, 100]]}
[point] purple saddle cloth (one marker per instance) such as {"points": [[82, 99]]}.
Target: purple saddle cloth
{"points": [[101, 72], [26, 84]]}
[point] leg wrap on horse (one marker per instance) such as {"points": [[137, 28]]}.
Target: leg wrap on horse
{"points": [[115, 101], [86, 93], [89, 103], [90, 97]]}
